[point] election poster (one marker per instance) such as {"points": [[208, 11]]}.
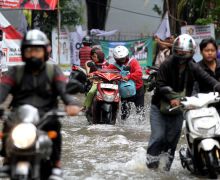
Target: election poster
{"points": [[199, 32]]}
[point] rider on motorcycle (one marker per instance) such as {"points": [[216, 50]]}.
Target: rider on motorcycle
{"points": [[121, 56], [98, 59], [178, 72], [84, 52], [34, 87]]}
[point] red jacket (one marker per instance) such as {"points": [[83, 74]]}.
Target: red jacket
{"points": [[135, 72], [84, 55]]}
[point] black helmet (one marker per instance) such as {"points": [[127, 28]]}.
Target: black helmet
{"points": [[35, 38], [87, 40]]}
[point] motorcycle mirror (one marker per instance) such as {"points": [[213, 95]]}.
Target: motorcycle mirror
{"points": [[74, 86], [165, 89], [90, 64]]}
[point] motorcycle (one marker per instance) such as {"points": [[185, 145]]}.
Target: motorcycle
{"points": [[106, 101], [28, 148], [202, 134], [78, 73], [149, 78]]}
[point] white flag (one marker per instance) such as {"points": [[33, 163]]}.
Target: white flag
{"points": [[164, 29]]}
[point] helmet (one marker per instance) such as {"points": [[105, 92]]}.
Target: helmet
{"points": [[87, 40], [120, 53], [184, 47], [35, 38]]}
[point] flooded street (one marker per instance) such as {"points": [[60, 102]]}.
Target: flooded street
{"points": [[95, 152]]}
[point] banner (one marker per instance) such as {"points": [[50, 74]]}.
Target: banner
{"points": [[61, 52], [199, 32], [10, 42], [76, 44], [29, 4], [141, 49]]}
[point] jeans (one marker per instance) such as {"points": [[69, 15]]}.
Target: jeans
{"points": [[165, 134]]}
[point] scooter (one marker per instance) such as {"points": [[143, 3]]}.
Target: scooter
{"points": [[149, 78], [28, 148], [202, 134], [106, 101]]}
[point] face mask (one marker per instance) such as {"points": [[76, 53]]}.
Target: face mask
{"points": [[34, 63]]}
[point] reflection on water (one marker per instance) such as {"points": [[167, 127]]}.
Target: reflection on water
{"points": [[97, 152]]}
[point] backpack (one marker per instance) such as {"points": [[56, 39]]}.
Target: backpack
{"points": [[126, 88], [20, 72]]}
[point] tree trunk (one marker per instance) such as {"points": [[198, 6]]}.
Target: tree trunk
{"points": [[96, 13]]}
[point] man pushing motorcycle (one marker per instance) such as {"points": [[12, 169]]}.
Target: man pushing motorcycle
{"points": [[121, 56], [178, 73], [38, 83]]}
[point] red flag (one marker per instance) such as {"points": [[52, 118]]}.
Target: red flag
{"points": [[29, 4]]}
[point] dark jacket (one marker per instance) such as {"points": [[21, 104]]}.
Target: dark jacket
{"points": [[169, 75], [216, 75], [36, 90]]}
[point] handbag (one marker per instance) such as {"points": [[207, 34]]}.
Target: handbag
{"points": [[126, 88]]}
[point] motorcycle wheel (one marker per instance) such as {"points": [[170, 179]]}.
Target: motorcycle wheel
{"points": [[106, 117], [211, 163]]}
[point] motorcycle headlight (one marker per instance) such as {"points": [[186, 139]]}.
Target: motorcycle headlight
{"points": [[24, 135], [206, 132]]}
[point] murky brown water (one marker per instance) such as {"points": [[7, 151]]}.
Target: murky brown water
{"points": [[100, 152], [96, 152]]}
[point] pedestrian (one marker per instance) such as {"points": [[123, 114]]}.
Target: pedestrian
{"points": [[210, 63]]}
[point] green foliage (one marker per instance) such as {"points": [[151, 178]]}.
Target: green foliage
{"points": [[71, 12], [204, 21]]}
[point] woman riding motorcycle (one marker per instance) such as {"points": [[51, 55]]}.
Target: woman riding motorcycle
{"points": [[99, 62]]}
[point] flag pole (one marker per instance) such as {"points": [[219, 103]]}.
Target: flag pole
{"points": [[58, 30]]}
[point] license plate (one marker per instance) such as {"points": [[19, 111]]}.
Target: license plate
{"points": [[109, 86]]}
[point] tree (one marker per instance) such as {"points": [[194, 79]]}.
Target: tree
{"points": [[70, 14], [97, 11], [193, 12]]}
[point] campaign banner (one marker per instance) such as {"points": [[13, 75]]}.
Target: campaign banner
{"points": [[10, 43], [141, 49], [61, 47], [199, 32], [75, 44], [29, 4]]}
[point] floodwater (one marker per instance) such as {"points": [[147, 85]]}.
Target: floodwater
{"points": [[98, 152]]}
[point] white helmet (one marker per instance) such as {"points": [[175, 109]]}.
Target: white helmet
{"points": [[120, 53], [184, 46]]}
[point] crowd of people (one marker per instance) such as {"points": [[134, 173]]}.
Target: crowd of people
{"points": [[177, 70]]}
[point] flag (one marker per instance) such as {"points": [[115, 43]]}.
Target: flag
{"points": [[29, 4], [101, 33], [11, 41], [164, 29]]}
